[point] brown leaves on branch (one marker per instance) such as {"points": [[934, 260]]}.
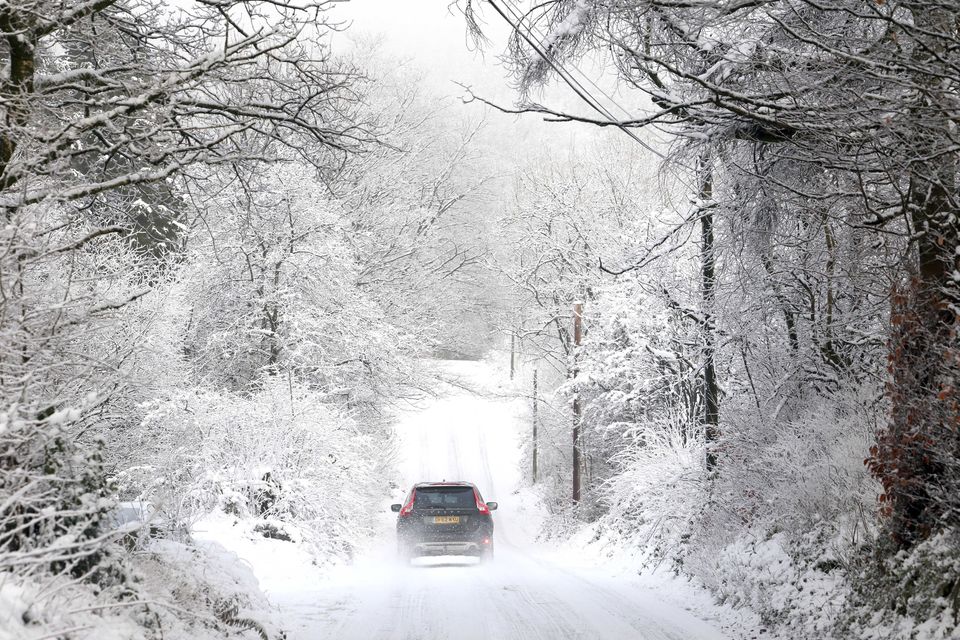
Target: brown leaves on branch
{"points": [[915, 455]]}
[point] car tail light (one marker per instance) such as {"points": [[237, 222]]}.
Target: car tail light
{"points": [[486, 541], [481, 505], [407, 508]]}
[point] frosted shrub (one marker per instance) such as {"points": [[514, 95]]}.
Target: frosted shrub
{"points": [[170, 590], [892, 593], [792, 501], [652, 500], [280, 454], [791, 474], [54, 515]]}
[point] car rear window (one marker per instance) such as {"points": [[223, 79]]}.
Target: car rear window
{"points": [[445, 497]]}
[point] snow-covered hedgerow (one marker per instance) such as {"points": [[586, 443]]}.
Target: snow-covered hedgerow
{"points": [[168, 590], [776, 530], [280, 456], [651, 502], [788, 511]]}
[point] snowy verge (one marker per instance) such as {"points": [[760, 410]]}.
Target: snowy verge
{"points": [[170, 590], [591, 548], [281, 563]]}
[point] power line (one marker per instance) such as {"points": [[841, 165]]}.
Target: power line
{"points": [[571, 81], [533, 28], [554, 64], [566, 75]]}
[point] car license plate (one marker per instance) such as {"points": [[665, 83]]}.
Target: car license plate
{"points": [[446, 519]]}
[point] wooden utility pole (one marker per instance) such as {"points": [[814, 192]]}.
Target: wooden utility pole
{"points": [[536, 471], [577, 334]]}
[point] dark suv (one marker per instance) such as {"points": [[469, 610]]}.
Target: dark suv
{"points": [[445, 518]]}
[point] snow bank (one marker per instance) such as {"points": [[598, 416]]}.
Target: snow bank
{"points": [[278, 557], [171, 590]]}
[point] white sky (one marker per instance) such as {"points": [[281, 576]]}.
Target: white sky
{"points": [[432, 37]]}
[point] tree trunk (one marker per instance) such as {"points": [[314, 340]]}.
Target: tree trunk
{"points": [[577, 332], [536, 418], [711, 409]]}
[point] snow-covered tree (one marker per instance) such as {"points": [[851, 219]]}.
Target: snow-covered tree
{"points": [[112, 111], [845, 109]]}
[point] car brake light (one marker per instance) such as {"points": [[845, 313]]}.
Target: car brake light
{"points": [[486, 541], [407, 508], [481, 505]]}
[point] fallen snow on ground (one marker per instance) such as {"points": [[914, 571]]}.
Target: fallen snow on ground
{"points": [[179, 590], [471, 431]]}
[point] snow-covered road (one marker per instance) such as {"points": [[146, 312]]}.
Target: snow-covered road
{"points": [[524, 594]]}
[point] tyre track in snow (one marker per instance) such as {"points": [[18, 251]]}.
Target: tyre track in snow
{"points": [[453, 448], [550, 623]]}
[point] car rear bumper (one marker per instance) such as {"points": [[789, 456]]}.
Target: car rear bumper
{"points": [[447, 548]]}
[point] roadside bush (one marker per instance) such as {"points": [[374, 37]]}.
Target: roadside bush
{"points": [[281, 455], [57, 515], [169, 590], [905, 595], [652, 501]]}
